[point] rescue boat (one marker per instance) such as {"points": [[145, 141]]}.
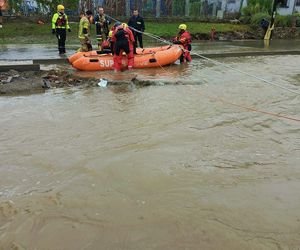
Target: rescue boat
{"points": [[148, 58], [77, 55]]}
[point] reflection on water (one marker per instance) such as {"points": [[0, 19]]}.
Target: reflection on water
{"points": [[162, 167]]}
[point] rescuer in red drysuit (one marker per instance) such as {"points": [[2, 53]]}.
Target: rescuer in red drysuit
{"points": [[184, 38], [123, 41]]}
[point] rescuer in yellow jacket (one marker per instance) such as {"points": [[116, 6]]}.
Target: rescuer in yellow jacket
{"points": [[60, 25], [84, 31]]}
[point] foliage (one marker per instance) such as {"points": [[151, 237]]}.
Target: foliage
{"points": [[195, 8], [261, 5], [256, 18], [15, 5], [283, 21], [255, 7], [178, 7], [296, 15]]}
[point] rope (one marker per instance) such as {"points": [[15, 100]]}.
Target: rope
{"points": [[234, 69], [251, 108], [162, 67], [158, 38], [248, 74]]}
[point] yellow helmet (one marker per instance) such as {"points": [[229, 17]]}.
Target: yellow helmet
{"points": [[124, 25], [110, 33], [60, 7], [182, 26]]}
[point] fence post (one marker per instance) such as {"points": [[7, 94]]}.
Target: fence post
{"points": [[158, 8], [128, 8], [214, 9], [187, 7]]}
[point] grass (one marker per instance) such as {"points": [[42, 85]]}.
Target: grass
{"points": [[32, 33], [170, 29]]}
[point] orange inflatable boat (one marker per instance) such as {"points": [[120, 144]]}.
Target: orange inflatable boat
{"points": [[77, 55], [156, 57]]}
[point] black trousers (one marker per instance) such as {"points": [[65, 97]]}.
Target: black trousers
{"points": [[61, 35], [121, 45], [138, 37]]}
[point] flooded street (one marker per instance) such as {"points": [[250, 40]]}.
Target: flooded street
{"points": [[186, 165]]}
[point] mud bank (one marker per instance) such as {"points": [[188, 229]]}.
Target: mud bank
{"points": [[31, 82]]}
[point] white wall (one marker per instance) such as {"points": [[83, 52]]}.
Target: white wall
{"points": [[233, 6], [289, 10]]}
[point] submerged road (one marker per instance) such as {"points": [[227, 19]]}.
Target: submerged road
{"points": [[180, 165]]}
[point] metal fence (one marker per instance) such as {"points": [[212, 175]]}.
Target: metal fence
{"points": [[147, 8], [167, 8]]}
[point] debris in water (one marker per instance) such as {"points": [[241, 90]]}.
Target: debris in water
{"points": [[103, 82]]}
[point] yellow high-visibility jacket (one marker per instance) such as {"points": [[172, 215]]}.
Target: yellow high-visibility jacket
{"points": [[84, 24], [60, 21]]}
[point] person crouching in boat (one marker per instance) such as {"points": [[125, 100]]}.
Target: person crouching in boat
{"points": [[107, 45], [84, 31], [184, 38], [123, 40]]}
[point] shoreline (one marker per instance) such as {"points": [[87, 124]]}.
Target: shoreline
{"points": [[15, 83]]}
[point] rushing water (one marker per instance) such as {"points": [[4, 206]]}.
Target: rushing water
{"points": [[162, 167]]}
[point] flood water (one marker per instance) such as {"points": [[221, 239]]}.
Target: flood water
{"points": [[176, 166]]}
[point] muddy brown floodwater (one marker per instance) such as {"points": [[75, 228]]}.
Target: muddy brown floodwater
{"points": [[161, 167]]}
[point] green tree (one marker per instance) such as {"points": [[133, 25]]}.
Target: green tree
{"points": [[255, 7]]}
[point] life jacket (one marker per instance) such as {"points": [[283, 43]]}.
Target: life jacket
{"points": [[185, 38], [105, 44], [61, 21]]}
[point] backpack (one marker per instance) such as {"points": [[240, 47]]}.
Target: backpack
{"points": [[120, 35]]}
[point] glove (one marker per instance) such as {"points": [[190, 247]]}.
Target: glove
{"points": [[53, 31], [69, 30]]}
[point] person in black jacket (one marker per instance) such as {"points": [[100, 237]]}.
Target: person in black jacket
{"points": [[137, 22]]}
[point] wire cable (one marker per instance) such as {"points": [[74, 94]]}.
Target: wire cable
{"points": [[158, 38]]}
